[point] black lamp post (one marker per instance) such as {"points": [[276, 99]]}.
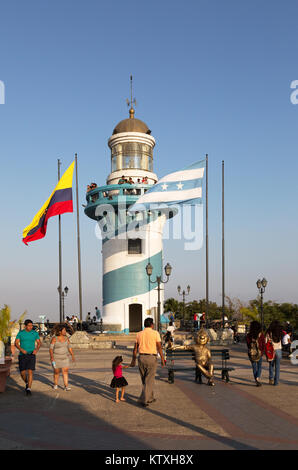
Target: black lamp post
{"points": [[149, 270], [183, 298], [261, 285], [63, 295]]}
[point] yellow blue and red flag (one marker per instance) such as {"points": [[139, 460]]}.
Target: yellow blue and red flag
{"points": [[59, 202]]}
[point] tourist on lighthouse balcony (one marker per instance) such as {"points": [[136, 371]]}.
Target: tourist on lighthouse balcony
{"points": [[122, 180], [91, 186]]}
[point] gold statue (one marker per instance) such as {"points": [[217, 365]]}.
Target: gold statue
{"points": [[203, 357]]}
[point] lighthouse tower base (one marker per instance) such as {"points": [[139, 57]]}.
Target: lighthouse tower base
{"points": [[129, 295]]}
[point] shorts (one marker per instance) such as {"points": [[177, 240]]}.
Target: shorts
{"points": [[27, 362]]}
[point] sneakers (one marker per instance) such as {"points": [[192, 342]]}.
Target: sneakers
{"points": [[55, 387], [258, 383], [271, 382], [28, 391]]}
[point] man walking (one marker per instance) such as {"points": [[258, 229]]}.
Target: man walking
{"points": [[148, 343], [97, 313], [28, 343], [195, 321]]}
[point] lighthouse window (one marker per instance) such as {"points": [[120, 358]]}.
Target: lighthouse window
{"points": [[132, 155], [134, 246], [132, 162]]}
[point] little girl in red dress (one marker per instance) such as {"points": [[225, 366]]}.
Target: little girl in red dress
{"points": [[118, 380]]}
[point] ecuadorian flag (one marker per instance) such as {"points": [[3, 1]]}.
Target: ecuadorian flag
{"points": [[59, 202]]}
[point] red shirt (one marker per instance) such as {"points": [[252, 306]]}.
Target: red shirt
{"points": [[118, 371]]}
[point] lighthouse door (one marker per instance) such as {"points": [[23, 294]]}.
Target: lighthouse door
{"points": [[135, 317]]}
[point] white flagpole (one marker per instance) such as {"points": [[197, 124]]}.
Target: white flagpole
{"points": [[79, 243]]}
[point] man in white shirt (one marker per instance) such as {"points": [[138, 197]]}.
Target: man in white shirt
{"points": [[171, 328], [286, 342]]}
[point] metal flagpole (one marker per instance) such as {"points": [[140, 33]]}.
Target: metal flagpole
{"points": [[60, 256], [79, 245], [207, 248], [223, 244]]}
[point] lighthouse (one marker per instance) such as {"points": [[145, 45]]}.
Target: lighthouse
{"points": [[129, 242]]}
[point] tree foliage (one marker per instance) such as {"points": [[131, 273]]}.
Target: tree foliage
{"points": [[236, 310], [6, 325]]}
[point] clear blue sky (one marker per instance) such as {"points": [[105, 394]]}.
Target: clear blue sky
{"points": [[209, 77]]}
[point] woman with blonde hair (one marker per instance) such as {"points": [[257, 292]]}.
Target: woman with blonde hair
{"points": [[59, 353]]}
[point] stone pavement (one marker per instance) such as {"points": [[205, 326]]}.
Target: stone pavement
{"points": [[186, 415]]}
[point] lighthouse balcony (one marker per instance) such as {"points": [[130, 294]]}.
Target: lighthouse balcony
{"points": [[114, 194]]}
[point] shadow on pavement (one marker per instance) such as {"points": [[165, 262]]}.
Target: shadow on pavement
{"points": [[45, 422], [106, 392]]}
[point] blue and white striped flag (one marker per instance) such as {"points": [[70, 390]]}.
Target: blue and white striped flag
{"points": [[180, 187]]}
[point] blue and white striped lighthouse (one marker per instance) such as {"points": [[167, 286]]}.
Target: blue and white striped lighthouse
{"points": [[129, 242]]}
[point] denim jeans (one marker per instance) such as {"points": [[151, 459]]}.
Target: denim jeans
{"points": [[257, 368], [275, 364]]}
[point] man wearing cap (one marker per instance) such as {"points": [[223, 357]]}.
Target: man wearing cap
{"points": [[148, 344], [28, 343]]}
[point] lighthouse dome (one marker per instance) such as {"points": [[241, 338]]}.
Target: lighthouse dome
{"points": [[131, 124]]}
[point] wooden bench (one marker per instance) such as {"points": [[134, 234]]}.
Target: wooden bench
{"points": [[174, 355]]}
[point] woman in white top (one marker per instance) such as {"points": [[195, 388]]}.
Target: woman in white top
{"points": [[274, 334]]}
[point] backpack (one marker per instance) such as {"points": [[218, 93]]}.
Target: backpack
{"points": [[254, 352], [269, 350]]}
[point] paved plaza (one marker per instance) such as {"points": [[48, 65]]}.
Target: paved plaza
{"points": [[186, 415]]}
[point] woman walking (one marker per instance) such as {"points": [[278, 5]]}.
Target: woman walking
{"points": [[256, 347], [274, 336], [59, 354]]}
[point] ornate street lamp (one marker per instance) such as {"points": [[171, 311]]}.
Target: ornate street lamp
{"points": [[183, 298], [261, 285], [63, 295], [149, 271]]}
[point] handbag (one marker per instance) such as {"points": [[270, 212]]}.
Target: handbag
{"points": [[269, 350]]}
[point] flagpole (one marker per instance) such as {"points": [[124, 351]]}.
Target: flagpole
{"points": [[223, 244], [207, 248], [79, 243], [60, 256]]}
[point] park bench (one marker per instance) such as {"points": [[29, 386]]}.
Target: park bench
{"points": [[175, 355]]}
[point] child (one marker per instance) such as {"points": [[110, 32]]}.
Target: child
{"points": [[118, 381], [168, 340]]}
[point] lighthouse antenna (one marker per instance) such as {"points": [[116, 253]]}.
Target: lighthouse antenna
{"points": [[132, 100]]}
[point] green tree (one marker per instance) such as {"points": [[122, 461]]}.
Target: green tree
{"points": [[200, 306], [237, 310], [173, 305]]}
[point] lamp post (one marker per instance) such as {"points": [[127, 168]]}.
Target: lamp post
{"points": [[63, 295], [261, 285], [183, 298], [149, 270]]}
